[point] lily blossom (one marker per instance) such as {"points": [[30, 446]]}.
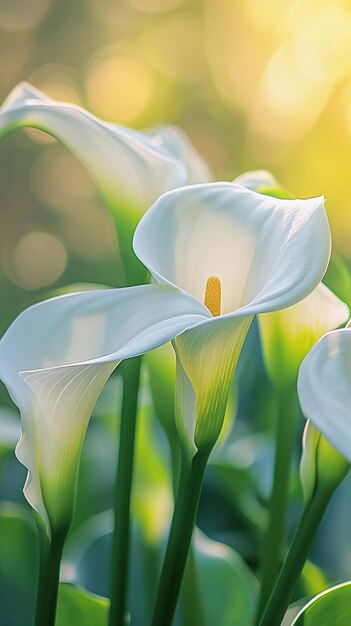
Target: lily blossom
{"points": [[288, 335], [324, 388], [55, 359], [240, 253], [131, 168]]}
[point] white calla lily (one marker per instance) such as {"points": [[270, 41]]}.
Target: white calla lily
{"points": [[324, 388], [288, 335], [131, 168], [55, 359], [241, 253]]}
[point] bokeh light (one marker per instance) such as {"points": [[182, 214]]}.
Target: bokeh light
{"points": [[255, 84], [38, 260], [185, 63], [119, 88]]}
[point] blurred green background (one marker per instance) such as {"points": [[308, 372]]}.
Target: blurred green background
{"points": [[255, 84]]}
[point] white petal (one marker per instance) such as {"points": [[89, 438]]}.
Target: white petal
{"points": [[268, 253], [289, 334], [324, 388], [131, 167], [256, 180], [176, 141], [65, 349]]}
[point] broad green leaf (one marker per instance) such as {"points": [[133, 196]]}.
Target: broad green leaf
{"points": [[18, 565], [227, 585], [332, 606], [80, 607]]}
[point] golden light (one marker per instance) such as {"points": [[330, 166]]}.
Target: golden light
{"points": [[58, 81], [287, 105], [155, 6], [266, 14], [119, 88], [322, 44], [185, 62]]}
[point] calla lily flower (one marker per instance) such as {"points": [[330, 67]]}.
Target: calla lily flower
{"points": [[55, 359], [132, 168], [240, 253], [288, 335], [262, 182], [324, 388]]}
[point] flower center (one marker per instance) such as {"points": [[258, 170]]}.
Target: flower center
{"points": [[213, 295]]}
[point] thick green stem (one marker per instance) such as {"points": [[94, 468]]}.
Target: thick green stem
{"points": [[49, 577], [190, 597], [275, 533], [184, 517], [295, 560], [120, 544]]}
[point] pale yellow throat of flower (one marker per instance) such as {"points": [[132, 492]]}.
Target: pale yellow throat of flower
{"points": [[213, 295]]}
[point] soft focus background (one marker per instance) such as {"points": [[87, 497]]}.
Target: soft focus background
{"points": [[255, 84]]}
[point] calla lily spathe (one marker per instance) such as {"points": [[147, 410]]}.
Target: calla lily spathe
{"points": [[55, 359], [132, 168], [324, 388], [250, 254]]}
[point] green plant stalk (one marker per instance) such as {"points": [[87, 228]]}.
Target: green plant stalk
{"points": [[296, 558], [275, 533], [184, 517], [49, 576], [122, 496], [190, 596]]}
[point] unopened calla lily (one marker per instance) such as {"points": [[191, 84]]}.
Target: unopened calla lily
{"points": [[55, 359], [322, 466], [131, 168], [324, 388], [288, 335], [241, 253]]}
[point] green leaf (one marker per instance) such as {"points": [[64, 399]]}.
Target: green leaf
{"points": [[228, 587], [78, 606], [332, 606], [18, 565]]}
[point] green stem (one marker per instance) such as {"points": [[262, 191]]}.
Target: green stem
{"points": [[184, 517], [120, 543], [190, 596], [275, 533], [295, 560], [49, 577]]}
